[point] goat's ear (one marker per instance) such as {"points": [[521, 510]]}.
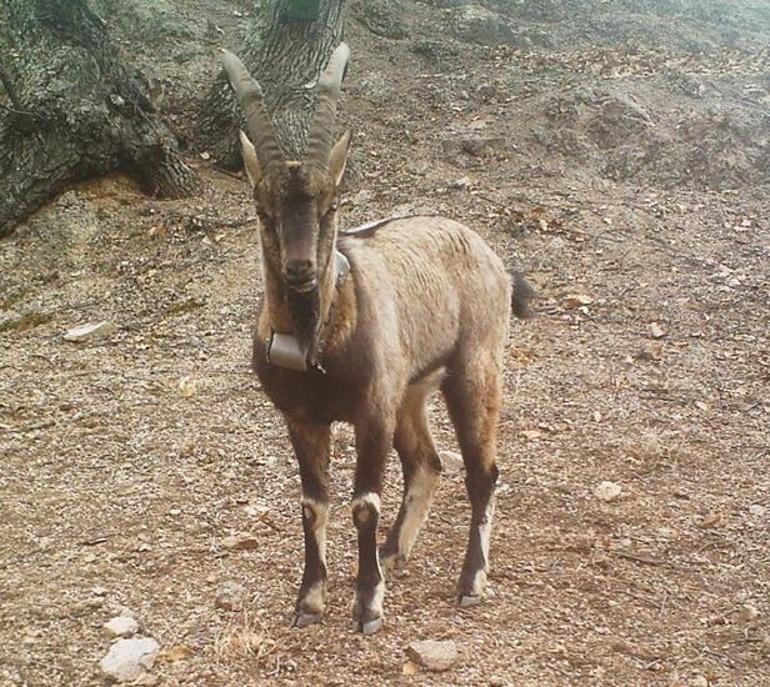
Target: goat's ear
{"points": [[250, 162], [338, 157]]}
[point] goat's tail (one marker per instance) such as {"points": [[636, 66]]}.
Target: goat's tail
{"points": [[521, 296]]}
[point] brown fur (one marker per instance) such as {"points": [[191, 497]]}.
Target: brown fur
{"points": [[427, 304], [424, 293]]}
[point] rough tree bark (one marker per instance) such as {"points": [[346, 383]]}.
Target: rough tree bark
{"points": [[71, 108], [285, 56]]}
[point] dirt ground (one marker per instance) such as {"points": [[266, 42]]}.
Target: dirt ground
{"points": [[617, 152]]}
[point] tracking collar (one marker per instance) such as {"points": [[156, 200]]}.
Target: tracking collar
{"points": [[285, 350]]}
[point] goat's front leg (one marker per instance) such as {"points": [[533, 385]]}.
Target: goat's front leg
{"points": [[311, 444], [373, 441]]}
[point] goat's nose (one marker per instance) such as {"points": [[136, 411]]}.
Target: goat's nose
{"points": [[299, 272]]}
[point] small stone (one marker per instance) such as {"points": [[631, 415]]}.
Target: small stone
{"points": [[575, 300], [462, 182], [713, 519], [700, 681], [418, 168], [240, 542], [230, 596], [188, 387], [656, 331], [99, 591], [756, 510], [747, 613], [122, 626], [129, 659], [607, 491], [451, 461], [90, 330], [434, 655]]}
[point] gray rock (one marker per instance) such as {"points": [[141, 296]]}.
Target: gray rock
{"points": [[383, 17], [122, 626], [451, 461], [607, 491], [230, 596], [477, 24], [434, 655], [91, 330], [129, 659], [240, 542]]}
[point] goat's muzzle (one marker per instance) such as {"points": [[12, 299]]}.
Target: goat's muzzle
{"points": [[300, 275]]}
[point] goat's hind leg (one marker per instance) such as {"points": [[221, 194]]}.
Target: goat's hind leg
{"points": [[473, 399], [311, 444], [422, 469]]}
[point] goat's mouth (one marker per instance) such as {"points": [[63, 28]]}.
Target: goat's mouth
{"points": [[303, 286]]}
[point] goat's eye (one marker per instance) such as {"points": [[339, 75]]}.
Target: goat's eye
{"points": [[330, 210]]}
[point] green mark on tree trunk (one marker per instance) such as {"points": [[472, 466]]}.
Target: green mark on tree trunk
{"points": [[305, 10]]}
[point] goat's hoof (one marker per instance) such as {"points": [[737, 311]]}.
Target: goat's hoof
{"points": [[368, 627], [468, 600], [303, 619]]}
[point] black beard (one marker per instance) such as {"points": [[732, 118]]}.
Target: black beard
{"points": [[305, 310]]}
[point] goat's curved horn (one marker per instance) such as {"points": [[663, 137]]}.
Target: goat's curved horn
{"points": [[320, 135], [258, 122]]}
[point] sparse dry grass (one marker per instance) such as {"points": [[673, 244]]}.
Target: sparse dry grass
{"points": [[246, 637]]}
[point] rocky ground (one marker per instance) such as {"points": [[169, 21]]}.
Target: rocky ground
{"points": [[619, 153]]}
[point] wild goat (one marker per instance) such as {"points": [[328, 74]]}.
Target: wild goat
{"points": [[362, 328]]}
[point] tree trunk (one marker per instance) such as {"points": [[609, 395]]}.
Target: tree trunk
{"points": [[70, 108], [285, 56]]}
